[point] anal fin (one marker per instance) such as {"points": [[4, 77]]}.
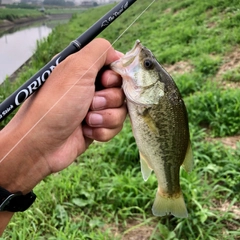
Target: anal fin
{"points": [[188, 161]]}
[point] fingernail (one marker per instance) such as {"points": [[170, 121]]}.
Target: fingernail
{"points": [[99, 103], [95, 119]]}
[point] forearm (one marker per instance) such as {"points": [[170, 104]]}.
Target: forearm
{"points": [[5, 217]]}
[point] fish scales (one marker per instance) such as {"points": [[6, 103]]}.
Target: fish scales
{"points": [[164, 146], [160, 125]]}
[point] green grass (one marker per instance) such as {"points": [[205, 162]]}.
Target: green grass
{"points": [[232, 75], [103, 189], [13, 14], [216, 110]]}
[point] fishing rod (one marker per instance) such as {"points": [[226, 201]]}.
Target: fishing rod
{"points": [[36, 81]]}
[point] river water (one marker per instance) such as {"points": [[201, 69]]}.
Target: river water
{"points": [[17, 45]]}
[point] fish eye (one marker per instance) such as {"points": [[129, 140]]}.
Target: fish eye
{"points": [[148, 63]]}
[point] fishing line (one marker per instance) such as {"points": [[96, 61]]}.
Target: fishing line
{"points": [[75, 82], [133, 22]]}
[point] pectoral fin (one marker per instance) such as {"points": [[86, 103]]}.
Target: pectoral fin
{"points": [[145, 169], [188, 161]]}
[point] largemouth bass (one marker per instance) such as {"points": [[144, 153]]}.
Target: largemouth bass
{"points": [[160, 126]]}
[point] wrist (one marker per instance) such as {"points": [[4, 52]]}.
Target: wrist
{"points": [[20, 167]]}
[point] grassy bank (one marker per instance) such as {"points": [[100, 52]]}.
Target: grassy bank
{"points": [[102, 195], [14, 14]]}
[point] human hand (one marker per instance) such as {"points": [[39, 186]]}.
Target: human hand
{"points": [[57, 123]]}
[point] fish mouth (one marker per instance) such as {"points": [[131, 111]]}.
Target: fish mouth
{"points": [[120, 65], [129, 57]]}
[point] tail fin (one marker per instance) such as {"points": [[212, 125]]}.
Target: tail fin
{"points": [[165, 205]]}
